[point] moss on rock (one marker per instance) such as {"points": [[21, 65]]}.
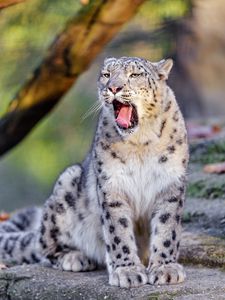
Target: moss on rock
{"points": [[206, 152], [208, 188]]}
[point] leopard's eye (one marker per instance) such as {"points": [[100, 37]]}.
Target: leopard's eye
{"points": [[135, 75], [106, 75]]}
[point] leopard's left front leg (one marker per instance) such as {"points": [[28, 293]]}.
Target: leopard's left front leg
{"points": [[165, 237], [123, 263]]}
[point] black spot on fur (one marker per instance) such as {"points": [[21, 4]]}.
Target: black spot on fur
{"points": [[102, 220], [18, 225], [171, 149], [107, 215], [104, 146], [156, 279], [54, 232], [53, 219], [181, 189], [115, 204], [10, 244], [34, 258], [171, 251], [118, 256], [114, 155], [105, 122], [113, 247], [179, 142], [25, 261], [154, 249], [43, 229], [108, 135], [8, 228], [175, 116], [111, 228], [117, 240], [172, 200], [59, 208], [75, 181], [126, 250], [26, 240], [104, 177], [139, 278], [45, 217], [104, 204], [163, 124], [163, 218], [177, 217], [70, 200], [163, 255], [174, 235], [123, 222], [168, 106], [43, 244], [108, 248], [100, 163], [168, 279], [166, 243], [80, 217], [163, 159]]}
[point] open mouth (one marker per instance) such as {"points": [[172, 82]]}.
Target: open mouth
{"points": [[125, 115]]}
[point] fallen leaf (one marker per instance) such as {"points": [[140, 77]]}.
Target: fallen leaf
{"points": [[4, 216], [2, 266], [84, 2], [202, 131], [217, 168]]}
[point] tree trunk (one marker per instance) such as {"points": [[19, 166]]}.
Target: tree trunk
{"points": [[7, 3], [70, 54]]}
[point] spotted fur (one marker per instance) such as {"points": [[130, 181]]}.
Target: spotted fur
{"points": [[124, 202]]}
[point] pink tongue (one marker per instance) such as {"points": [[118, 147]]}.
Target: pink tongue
{"points": [[124, 116]]}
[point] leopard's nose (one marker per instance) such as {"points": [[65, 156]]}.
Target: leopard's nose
{"points": [[115, 89]]}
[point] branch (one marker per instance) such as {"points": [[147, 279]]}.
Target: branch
{"points": [[70, 54], [7, 3]]}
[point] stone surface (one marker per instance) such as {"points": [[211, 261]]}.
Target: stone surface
{"points": [[33, 282]]}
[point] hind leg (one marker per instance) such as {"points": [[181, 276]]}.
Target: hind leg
{"points": [[69, 226]]}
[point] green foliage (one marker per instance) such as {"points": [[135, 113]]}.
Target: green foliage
{"points": [[210, 152], [156, 11], [207, 189]]}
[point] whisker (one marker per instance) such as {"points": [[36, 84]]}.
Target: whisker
{"points": [[92, 110]]}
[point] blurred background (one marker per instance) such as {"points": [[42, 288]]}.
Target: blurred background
{"points": [[189, 31]]}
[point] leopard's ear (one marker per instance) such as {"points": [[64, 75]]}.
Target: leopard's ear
{"points": [[164, 67]]}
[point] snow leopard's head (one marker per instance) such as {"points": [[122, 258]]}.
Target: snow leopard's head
{"points": [[131, 89]]}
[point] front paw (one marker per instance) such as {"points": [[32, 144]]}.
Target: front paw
{"points": [[75, 261], [127, 277], [171, 273]]}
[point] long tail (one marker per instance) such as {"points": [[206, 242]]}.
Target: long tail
{"points": [[19, 237]]}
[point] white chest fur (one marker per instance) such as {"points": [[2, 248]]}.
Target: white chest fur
{"points": [[141, 180]]}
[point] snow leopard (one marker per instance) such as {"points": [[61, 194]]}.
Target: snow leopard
{"points": [[121, 207]]}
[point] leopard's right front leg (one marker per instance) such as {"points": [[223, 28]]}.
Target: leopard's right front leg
{"points": [[123, 263]]}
